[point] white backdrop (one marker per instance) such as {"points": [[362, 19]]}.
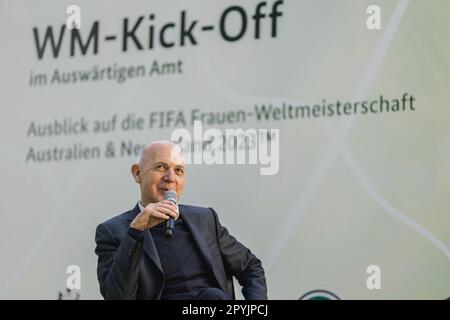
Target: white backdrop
{"points": [[351, 190]]}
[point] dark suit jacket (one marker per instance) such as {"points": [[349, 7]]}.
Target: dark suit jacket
{"points": [[130, 269]]}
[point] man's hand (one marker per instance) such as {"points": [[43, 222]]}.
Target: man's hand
{"points": [[155, 213]]}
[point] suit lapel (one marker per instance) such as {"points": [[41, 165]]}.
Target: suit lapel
{"points": [[199, 240], [148, 245], [191, 220], [150, 249]]}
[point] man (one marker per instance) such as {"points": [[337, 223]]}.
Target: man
{"points": [[136, 261]]}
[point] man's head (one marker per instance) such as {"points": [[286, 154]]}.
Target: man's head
{"points": [[160, 167]]}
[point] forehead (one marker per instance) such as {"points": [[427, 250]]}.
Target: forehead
{"points": [[167, 153]]}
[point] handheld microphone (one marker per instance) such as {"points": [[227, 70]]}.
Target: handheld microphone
{"points": [[169, 229]]}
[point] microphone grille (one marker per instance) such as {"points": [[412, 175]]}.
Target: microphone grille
{"points": [[170, 194]]}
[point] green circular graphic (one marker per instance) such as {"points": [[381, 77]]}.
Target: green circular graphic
{"points": [[319, 295]]}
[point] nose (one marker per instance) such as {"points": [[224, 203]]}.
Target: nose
{"points": [[169, 176]]}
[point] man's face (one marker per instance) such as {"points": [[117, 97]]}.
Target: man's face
{"points": [[160, 170]]}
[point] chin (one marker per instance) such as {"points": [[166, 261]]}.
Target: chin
{"points": [[159, 196]]}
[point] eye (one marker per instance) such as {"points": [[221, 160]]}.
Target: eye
{"points": [[179, 171]]}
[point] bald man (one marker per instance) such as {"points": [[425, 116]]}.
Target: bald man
{"points": [[136, 261]]}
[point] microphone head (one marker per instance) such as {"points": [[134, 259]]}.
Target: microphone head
{"points": [[171, 195]]}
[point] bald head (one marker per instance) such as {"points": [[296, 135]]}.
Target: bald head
{"points": [[156, 146], [159, 167]]}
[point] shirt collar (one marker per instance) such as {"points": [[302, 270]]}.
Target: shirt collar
{"points": [[141, 207]]}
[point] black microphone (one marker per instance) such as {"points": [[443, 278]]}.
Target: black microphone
{"points": [[170, 224]]}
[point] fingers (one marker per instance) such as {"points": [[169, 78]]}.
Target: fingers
{"points": [[167, 212], [159, 215], [168, 208], [167, 202], [162, 210]]}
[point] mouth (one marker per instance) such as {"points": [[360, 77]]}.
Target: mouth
{"points": [[163, 190]]}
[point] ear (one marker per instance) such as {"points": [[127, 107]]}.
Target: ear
{"points": [[136, 172]]}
